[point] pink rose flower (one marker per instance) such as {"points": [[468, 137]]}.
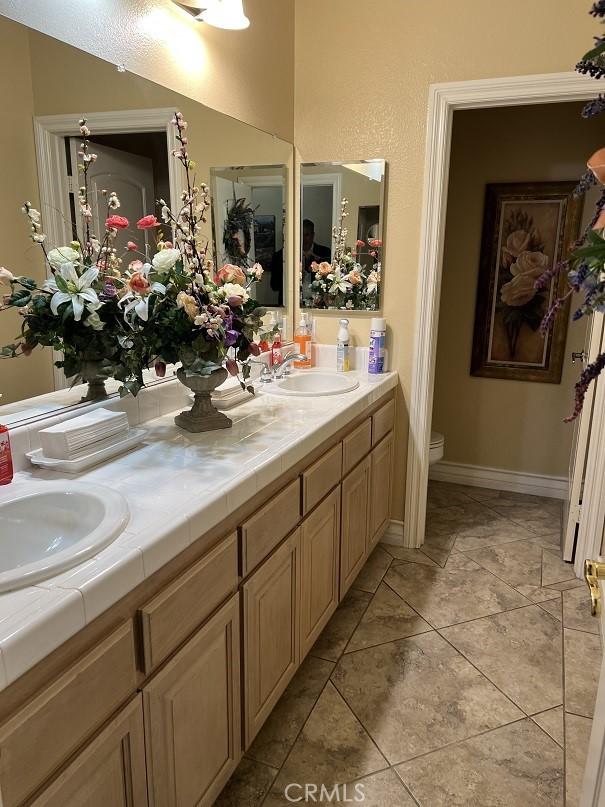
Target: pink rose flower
{"points": [[360, 243], [131, 246], [147, 223], [116, 223], [229, 273], [135, 266], [138, 283], [375, 242], [324, 268]]}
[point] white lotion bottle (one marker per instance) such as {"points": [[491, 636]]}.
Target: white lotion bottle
{"points": [[343, 362]]}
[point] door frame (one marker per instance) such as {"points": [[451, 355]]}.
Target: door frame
{"points": [[49, 134], [444, 99]]}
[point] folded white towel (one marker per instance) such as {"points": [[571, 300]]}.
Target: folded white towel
{"points": [[71, 437]]}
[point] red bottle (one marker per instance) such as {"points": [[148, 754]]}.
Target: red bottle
{"points": [[6, 459], [276, 352]]}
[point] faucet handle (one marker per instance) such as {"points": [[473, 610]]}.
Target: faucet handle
{"points": [[266, 376]]}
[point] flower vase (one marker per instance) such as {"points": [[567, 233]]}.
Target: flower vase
{"points": [[89, 372], [203, 416]]}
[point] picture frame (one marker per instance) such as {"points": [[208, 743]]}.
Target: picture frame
{"points": [[527, 228]]}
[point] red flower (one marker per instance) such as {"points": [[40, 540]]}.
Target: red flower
{"points": [[131, 246], [116, 223], [160, 369], [375, 242], [232, 367], [360, 243], [147, 223], [254, 349]]}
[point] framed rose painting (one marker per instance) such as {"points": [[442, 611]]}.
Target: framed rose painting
{"points": [[527, 228]]}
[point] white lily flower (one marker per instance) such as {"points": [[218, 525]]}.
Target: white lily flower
{"points": [[79, 289]]}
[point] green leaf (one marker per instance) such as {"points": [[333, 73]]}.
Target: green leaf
{"points": [[61, 284]]}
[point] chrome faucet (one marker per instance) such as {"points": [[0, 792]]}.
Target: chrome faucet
{"points": [[281, 369], [278, 370]]}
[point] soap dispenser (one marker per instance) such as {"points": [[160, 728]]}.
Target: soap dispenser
{"points": [[343, 364], [302, 340]]}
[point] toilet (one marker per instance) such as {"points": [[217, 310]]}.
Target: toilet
{"points": [[436, 447]]}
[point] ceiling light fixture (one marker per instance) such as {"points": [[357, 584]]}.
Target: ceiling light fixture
{"points": [[227, 14]]}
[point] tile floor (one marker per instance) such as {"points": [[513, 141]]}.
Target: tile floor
{"points": [[451, 676]]}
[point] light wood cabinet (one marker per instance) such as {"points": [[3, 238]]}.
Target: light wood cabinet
{"points": [[319, 478], [173, 614], [54, 726], [356, 445], [383, 421], [381, 462], [110, 772], [319, 563], [271, 648], [263, 531], [355, 524], [192, 716]]}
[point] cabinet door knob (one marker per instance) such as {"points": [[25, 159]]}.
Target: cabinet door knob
{"points": [[578, 355]]}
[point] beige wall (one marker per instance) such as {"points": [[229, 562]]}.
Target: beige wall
{"points": [[22, 377], [494, 422], [380, 59], [247, 74]]}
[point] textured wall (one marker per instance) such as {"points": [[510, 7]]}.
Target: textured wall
{"points": [[247, 74], [362, 75], [493, 422]]}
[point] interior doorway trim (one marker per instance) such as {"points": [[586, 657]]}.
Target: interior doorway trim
{"points": [[49, 134], [443, 101]]}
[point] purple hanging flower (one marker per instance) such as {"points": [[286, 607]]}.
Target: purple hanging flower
{"points": [[588, 376]]}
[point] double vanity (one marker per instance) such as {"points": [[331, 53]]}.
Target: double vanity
{"points": [[149, 668]]}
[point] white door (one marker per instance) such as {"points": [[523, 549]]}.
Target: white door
{"points": [[593, 785], [131, 177], [577, 463]]}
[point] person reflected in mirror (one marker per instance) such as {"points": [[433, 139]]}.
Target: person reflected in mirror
{"points": [[311, 253]]}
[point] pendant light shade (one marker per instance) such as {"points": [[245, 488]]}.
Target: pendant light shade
{"points": [[227, 14]]}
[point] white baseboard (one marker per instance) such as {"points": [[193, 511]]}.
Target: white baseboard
{"points": [[557, 487], [393, 534]]}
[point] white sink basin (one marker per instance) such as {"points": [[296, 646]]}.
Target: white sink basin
{"points": [[313, 382], [46, 528]]}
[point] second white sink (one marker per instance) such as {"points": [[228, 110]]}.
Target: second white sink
{"points": [[313, 382], [46, 528]]}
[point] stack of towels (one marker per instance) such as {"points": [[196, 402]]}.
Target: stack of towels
{"points": [[229, 394], [85, 434]]}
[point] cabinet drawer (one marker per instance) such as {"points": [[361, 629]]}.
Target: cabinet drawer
{"points": [[266, 528], [321, 477], [37, 740], [356, 445], [383, 421], [173, 614], [110, 772]]}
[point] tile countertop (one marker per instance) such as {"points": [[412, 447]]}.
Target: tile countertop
{"points": [[178, 485]]}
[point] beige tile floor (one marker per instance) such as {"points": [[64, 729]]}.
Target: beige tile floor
{"points": [[451, 676]]}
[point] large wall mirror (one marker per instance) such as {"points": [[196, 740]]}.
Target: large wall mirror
{"points": [[341, 234], [248, 172]]}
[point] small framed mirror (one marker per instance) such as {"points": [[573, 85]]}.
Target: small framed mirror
{"points": [[341, 234]]}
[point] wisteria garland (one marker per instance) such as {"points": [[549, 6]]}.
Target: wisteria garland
{"points": [[585, 265]]}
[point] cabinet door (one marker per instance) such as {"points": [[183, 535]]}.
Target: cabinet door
{"points": [[319, 559], [110, 771], [271, 652], [355, 524], [381, 460], [192, 716]]}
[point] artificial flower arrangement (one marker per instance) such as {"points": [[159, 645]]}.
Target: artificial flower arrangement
{"points": [[346, 283], [171, 308], [585, 265]]}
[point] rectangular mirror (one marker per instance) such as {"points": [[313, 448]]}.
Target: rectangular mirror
{"points": [[250, 211], [341, 234], [133, 138]]}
